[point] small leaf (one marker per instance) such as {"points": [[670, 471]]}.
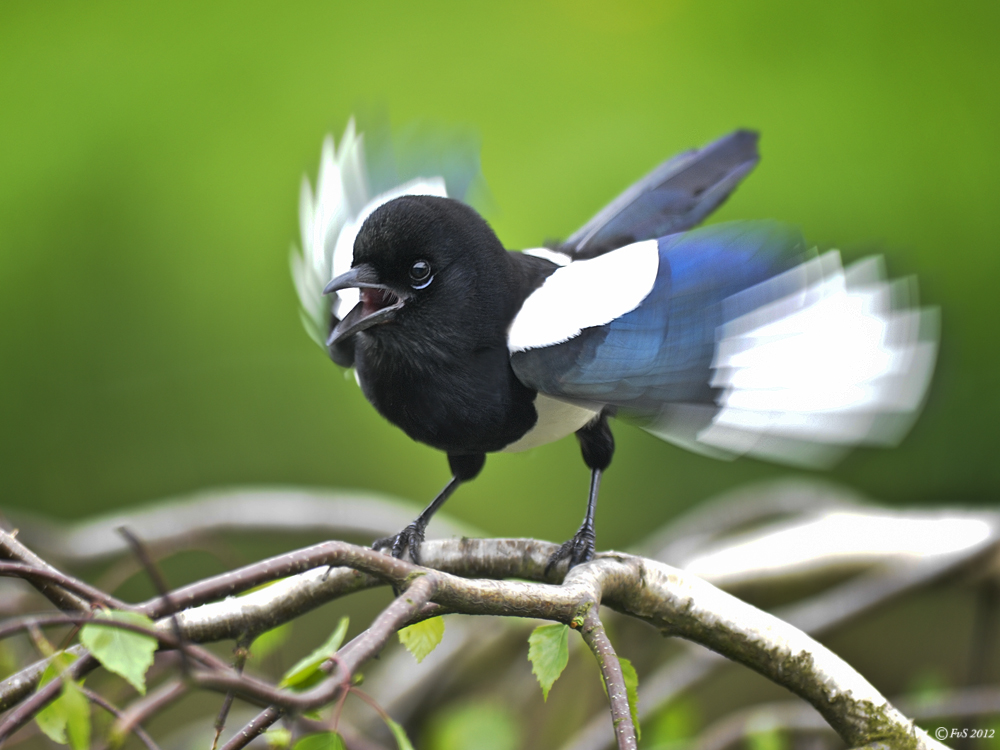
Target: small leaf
{"points": [[768, 739], [270, 641], [278, 738], [52, 721], [123, 652], [67, 718], [632, 692], [324, 741], [77, 709], [484, 725], [548, 652], [307, 671], [399, 733], [423, 637]]}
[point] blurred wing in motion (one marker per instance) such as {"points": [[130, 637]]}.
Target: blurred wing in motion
{"points": [[729, 340], [843, 358], [353, 181], [674, 197]]}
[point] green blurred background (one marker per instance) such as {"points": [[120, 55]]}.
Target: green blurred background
{"points": [[150, 162]]}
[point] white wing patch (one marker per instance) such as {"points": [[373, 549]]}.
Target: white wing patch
{"points": [[560, 259], [329, 222], [584, 294], [842, 360]]}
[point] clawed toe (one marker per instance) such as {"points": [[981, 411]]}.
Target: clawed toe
{"points": [[409, 538], [579, 549]]}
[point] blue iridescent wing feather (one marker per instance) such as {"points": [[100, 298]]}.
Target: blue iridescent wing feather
{"points": [[661, 352]]}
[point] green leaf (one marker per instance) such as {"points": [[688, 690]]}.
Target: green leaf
{"points": [[77, 709], [632, 692], [548, 652], [123, 652], [306, 672], [324, 741], [484, 725], [399, 733], [767, 739], [270, 641], [681, 721], [278, 738], [67, 718], [423, 637]]}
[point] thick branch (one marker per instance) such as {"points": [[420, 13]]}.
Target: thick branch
{"points": [[675, 602]]}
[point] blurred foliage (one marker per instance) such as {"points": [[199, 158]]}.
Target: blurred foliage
{"points": [[677, 724], [485, 726], [149, 180]]}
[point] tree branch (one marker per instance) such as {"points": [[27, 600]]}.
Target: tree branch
{"points": [[11, 549], [611, 670], [675, 602]]}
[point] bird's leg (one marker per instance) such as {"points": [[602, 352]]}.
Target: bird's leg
{"points": [[463, 467], [413, 535], [580, 548], [598, 446]]}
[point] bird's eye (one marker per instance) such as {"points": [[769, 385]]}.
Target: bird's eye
{"points": [[420, 274]]}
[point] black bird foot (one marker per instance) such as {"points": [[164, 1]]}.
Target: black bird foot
{"points": [[579, 549], [409, 538]]}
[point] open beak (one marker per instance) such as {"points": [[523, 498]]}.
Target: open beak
{"points": [[379, 304]]}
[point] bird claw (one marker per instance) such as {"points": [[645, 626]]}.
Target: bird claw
{"points": [[409, 538], [579, 549]]}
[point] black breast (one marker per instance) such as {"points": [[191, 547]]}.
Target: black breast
{"points": [[476, 405]]}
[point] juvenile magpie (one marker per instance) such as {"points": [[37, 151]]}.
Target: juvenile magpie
{"points": [[728, 340]]}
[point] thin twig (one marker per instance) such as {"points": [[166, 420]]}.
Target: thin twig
{"points": [[137, 730], [167, 639], [153, 702], [11, 549], [242, 651], [596, 638], [27, 710], [357, 652], [257, 726], [23, 713], [32, 572], [170, 609]]}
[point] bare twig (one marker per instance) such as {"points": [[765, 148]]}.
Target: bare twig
{"points": [[23, 713], [154, 702], [257, 726], [137, 730], [593, 634], [242, 651], [12, 549], [44, 576]]}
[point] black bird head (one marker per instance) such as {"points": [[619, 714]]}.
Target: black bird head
{"points": [[428, 269]]}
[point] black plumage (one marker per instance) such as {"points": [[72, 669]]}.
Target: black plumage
{"points": [[436, 363], [727, 340]]}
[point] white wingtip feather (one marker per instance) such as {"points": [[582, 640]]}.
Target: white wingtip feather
{"points": [[329, 222], [841, 359]]}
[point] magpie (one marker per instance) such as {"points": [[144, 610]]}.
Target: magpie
{"points": [[730, 339]]}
